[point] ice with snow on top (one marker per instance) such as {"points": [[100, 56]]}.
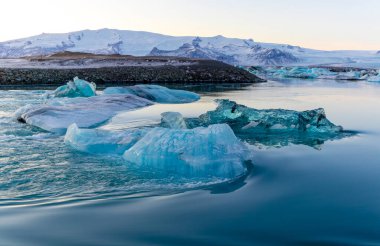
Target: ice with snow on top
{"points": [[212, 151], [59, 113], [155, 93]]}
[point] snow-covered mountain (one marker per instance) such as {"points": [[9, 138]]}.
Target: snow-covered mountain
{"points": [[230, 50]]}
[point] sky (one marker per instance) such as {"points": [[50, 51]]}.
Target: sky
{"points": [[319, 24]]}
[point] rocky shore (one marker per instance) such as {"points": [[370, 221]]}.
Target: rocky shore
{"points": [[102, 69]]}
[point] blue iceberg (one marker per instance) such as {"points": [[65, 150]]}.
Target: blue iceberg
{"points": [[98, 141], [213, 151], [246, 119], [75, 88], [200, 152], [155, 93], [272, 127], [58, 114]]}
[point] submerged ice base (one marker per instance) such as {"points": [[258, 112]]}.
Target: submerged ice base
{"points": [[155, 93]]}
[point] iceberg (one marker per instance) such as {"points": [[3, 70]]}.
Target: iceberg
{"points": [[155, 93], [75, 88], [98, 141], [58, 114], [244, 118], [213, 151], [271, 127]]}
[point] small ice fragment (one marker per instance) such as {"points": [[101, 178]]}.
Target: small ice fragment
{"points": [[173, 120], [75, 88]]}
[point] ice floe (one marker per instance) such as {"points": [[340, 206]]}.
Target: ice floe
{"points": [[58, 114], [155, 93]]}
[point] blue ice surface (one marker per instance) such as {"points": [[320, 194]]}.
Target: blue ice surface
{"points": [[75, 88], [155, 93], [212, 151], [98, 141]]}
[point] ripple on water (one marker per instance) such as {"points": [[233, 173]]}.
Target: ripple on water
{"points": [[36, 167]]}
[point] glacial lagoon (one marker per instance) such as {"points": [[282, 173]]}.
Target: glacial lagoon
{"points": [[293, 193]]}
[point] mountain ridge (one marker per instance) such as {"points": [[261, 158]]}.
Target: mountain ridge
{"points": [[235, 51]]}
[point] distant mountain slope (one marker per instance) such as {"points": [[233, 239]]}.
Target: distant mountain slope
{"points": [[229, 50]]}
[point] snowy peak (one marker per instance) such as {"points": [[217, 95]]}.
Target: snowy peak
{"points": [[242, 52], [230, 50]]}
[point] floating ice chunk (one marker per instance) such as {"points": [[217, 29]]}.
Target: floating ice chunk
{"points": [[352, 75], [75, 88], [212, 151], [374, 78], [243, 118], [58, 114], [101, 141], [173, 120], [155, 93], [301, 72], [309, 73], [274, 127]]}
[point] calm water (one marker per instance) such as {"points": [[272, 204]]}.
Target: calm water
{"points": [[294, 195]]}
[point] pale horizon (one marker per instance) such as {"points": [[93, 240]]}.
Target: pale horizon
{"points": [[323, 25]]}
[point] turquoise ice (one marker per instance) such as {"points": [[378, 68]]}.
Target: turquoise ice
{"points": [[245, 119], [98, 141], [75, 88], [212, 151], [199, 152]]}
